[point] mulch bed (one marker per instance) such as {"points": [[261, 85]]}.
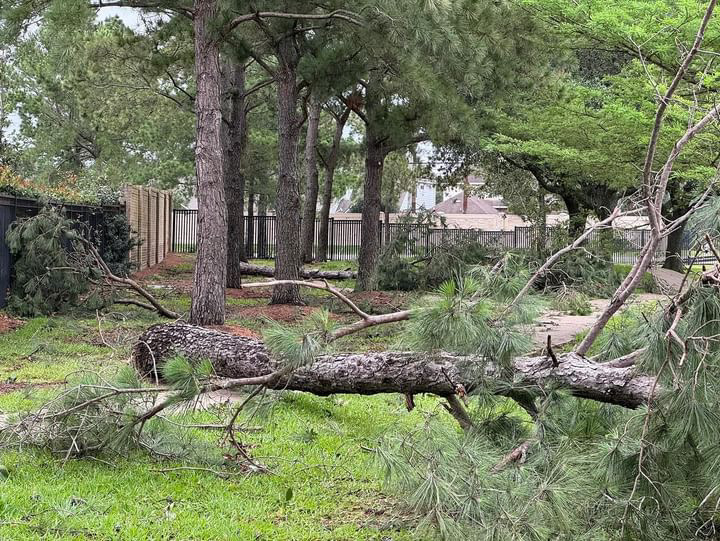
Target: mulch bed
{"points": [[236, 330], [279, 312], [381, 299], [171, 260], [8, 324]]}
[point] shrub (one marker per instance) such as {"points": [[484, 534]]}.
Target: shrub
{"points": [[573, 302], [116, 239], [53, 271], [397, 273], [47, 278], [449, 260]]}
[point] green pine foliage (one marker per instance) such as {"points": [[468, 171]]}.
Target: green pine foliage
{"points": [[115, 239], [48, 279], [591, 471], [469, 315], [298, 346], [53, 271]]}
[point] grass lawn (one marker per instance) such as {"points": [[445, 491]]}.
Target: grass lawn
{"points": [[323, 481]]}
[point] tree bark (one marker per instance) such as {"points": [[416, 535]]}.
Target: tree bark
{"points": [[577, 216], [287, 202], [370, 224], [388, 372], [386, 224], [208, 296], [311, 179], [235, 175], [330, 165], [541, 245], [375, 154], [673, 251], [257, 270], [262, 226], [249, 246]]}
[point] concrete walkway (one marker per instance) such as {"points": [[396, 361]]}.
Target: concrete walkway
{"points": [[669, 281], [564, 328]]}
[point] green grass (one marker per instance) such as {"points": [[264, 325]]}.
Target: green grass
{"points": [[314, 447], [317, 447]]}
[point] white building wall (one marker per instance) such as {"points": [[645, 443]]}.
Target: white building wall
{"points": [[424, 197]]}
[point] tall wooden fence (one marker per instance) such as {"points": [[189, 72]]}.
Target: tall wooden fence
{"points": [[15, 208], [345, 236], [149, 212]]}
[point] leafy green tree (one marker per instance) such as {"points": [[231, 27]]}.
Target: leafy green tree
{"points": [[89, 107], [423, 76]]}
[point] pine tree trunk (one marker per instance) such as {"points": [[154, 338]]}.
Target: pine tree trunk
{"points": [[262, 226], [389, 372], [370, 226], [324, 233], [375, 154], [287, 202], [330, 165], [250, 236], [673, 251], [235, 176], [311, 180], [208, 296]]}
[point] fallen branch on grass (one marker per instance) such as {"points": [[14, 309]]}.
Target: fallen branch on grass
{"points": [[112, 279], [308, 274], [248, 360]]}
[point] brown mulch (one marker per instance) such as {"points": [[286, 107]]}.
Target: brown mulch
{"points": [[250, 293], [380, 299], [10, 387], [171, 260], [184, 286], [8, 324], [236, 330], [278, 312]]}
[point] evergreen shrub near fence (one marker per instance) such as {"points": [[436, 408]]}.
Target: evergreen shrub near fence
{"points": [[94, 220]]}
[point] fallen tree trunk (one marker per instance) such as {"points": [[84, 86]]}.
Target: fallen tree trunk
{"points": [[388, 372], [257, 270]]}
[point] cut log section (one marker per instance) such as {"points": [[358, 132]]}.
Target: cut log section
{"points": [[257, 270], [389, 372]]}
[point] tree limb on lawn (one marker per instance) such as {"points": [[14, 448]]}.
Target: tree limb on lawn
{"points": [[257, 270], [440, 373]]}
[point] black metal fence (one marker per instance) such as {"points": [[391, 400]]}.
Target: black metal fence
{"points": [[15, 208], [345, 236]]}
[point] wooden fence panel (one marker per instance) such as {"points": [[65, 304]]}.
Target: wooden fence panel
{"points": [[149, 212]]}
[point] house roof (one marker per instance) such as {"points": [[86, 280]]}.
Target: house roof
{"points": [[475, 205]]}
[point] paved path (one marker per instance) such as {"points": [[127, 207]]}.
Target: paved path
{"points": [[668, 280], [563, 327]]}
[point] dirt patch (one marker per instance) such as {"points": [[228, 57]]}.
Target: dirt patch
{"points": [[11, 387], [170, 262], [278, 312], [250, 293], [8, 324], [236, 330], [380, 301]]}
